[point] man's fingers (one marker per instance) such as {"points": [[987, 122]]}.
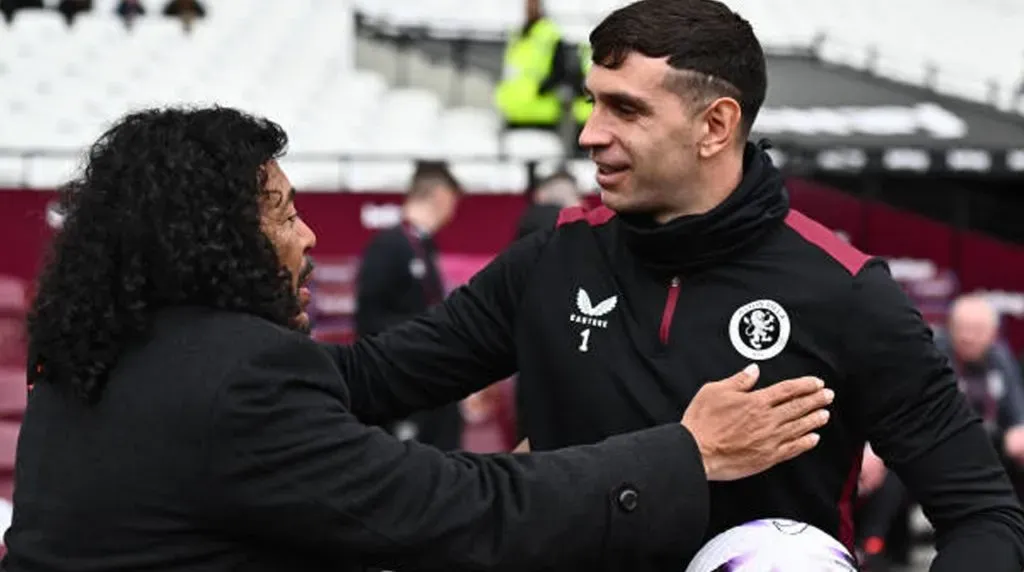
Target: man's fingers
{"points": [[804, 425], [797, 447], [797, 408], [746, 379], [790, 389]]}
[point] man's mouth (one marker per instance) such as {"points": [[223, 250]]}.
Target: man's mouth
{"points": [[610, 174], [305, 276], [611, 168]]}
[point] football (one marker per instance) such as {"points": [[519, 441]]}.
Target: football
{"points": [[773, 545]]}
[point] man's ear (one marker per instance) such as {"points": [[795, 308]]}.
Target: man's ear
{"points": [[721, 123]]}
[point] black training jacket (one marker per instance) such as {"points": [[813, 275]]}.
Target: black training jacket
{"points": [[615, 322]]}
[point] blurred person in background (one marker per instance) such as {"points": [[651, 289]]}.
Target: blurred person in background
{"points": [[696, 265], [9, 8], [883, 513], [539, 71], [549, 197], [182, 419], [551, 194], [72, 8], [187, 10], [989, 377], [399, 278], [490, 414], [130, 10]]}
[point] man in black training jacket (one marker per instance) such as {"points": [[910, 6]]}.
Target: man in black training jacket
{"points": [[399, 278], [695, 266], [181, 419]]}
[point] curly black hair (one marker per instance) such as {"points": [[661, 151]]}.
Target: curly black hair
{"points": [[166, 213]]}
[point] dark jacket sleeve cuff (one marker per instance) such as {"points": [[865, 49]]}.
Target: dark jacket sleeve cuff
{"points": [[663, 499]]}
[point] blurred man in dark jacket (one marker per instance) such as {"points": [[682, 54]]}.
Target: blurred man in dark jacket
{"points": [[988, 375], [399, 278], [549, 197]]}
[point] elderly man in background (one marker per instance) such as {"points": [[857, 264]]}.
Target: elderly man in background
{"points": [[991, 379], [988, 374], [552, 194]]}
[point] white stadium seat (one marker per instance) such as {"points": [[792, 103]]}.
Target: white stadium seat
{"points": [[295, 62], [313, 175], [51, 172], [11, 174], [532, 144], [378, 175], [490, 177]]}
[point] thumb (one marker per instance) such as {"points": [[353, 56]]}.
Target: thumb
{"points": [[745, 380]]}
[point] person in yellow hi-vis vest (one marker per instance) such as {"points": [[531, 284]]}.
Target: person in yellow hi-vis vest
{"points": [[581, 104], [534, 68]]}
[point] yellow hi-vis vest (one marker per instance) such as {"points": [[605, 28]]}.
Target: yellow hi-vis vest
{"points": [[528, 62], [581, 107]]}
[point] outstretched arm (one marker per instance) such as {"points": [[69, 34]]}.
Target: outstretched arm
{"points": [[455, 349], [920, 424], [290, 464]]}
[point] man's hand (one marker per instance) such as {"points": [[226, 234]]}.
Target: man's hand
{"points": [[872, 473], [742, 432], [1013, 444]]}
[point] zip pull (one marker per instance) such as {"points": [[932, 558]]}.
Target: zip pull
{"points": [[669, 311]]}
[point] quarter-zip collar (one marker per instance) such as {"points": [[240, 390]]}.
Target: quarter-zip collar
{"points": [[691, 243]]}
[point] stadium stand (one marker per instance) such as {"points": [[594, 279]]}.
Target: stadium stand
{"points": [[8, 446], [901, 44], [366, 86], [62, 86], [13, 397], [13, 307]]}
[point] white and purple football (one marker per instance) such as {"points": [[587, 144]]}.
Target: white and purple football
{"points": [[773, 545]]}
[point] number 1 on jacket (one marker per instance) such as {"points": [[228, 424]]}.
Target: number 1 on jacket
{"points": [[585, 338]]}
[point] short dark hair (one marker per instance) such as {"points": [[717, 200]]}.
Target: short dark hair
{"points": [[714, 48], [166, 213], [432, 174]]}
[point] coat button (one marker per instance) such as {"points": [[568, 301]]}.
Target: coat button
{"points": [[629, 499]]}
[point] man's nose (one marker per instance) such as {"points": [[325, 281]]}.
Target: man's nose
{"points": [[593, 135], [310, 238]]}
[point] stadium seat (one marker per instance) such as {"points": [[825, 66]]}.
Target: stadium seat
{"points": [[378, 175], [51, 172], [585, 172], [8, 449], [13, 345], [6, 516], [490, 177], [13, 394], [13, 310], [13, 296], [63, 86], [11, 172], [313, 175], [532, 144]]}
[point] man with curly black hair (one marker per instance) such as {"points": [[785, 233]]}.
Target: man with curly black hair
{"points": [[181, 419]]}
